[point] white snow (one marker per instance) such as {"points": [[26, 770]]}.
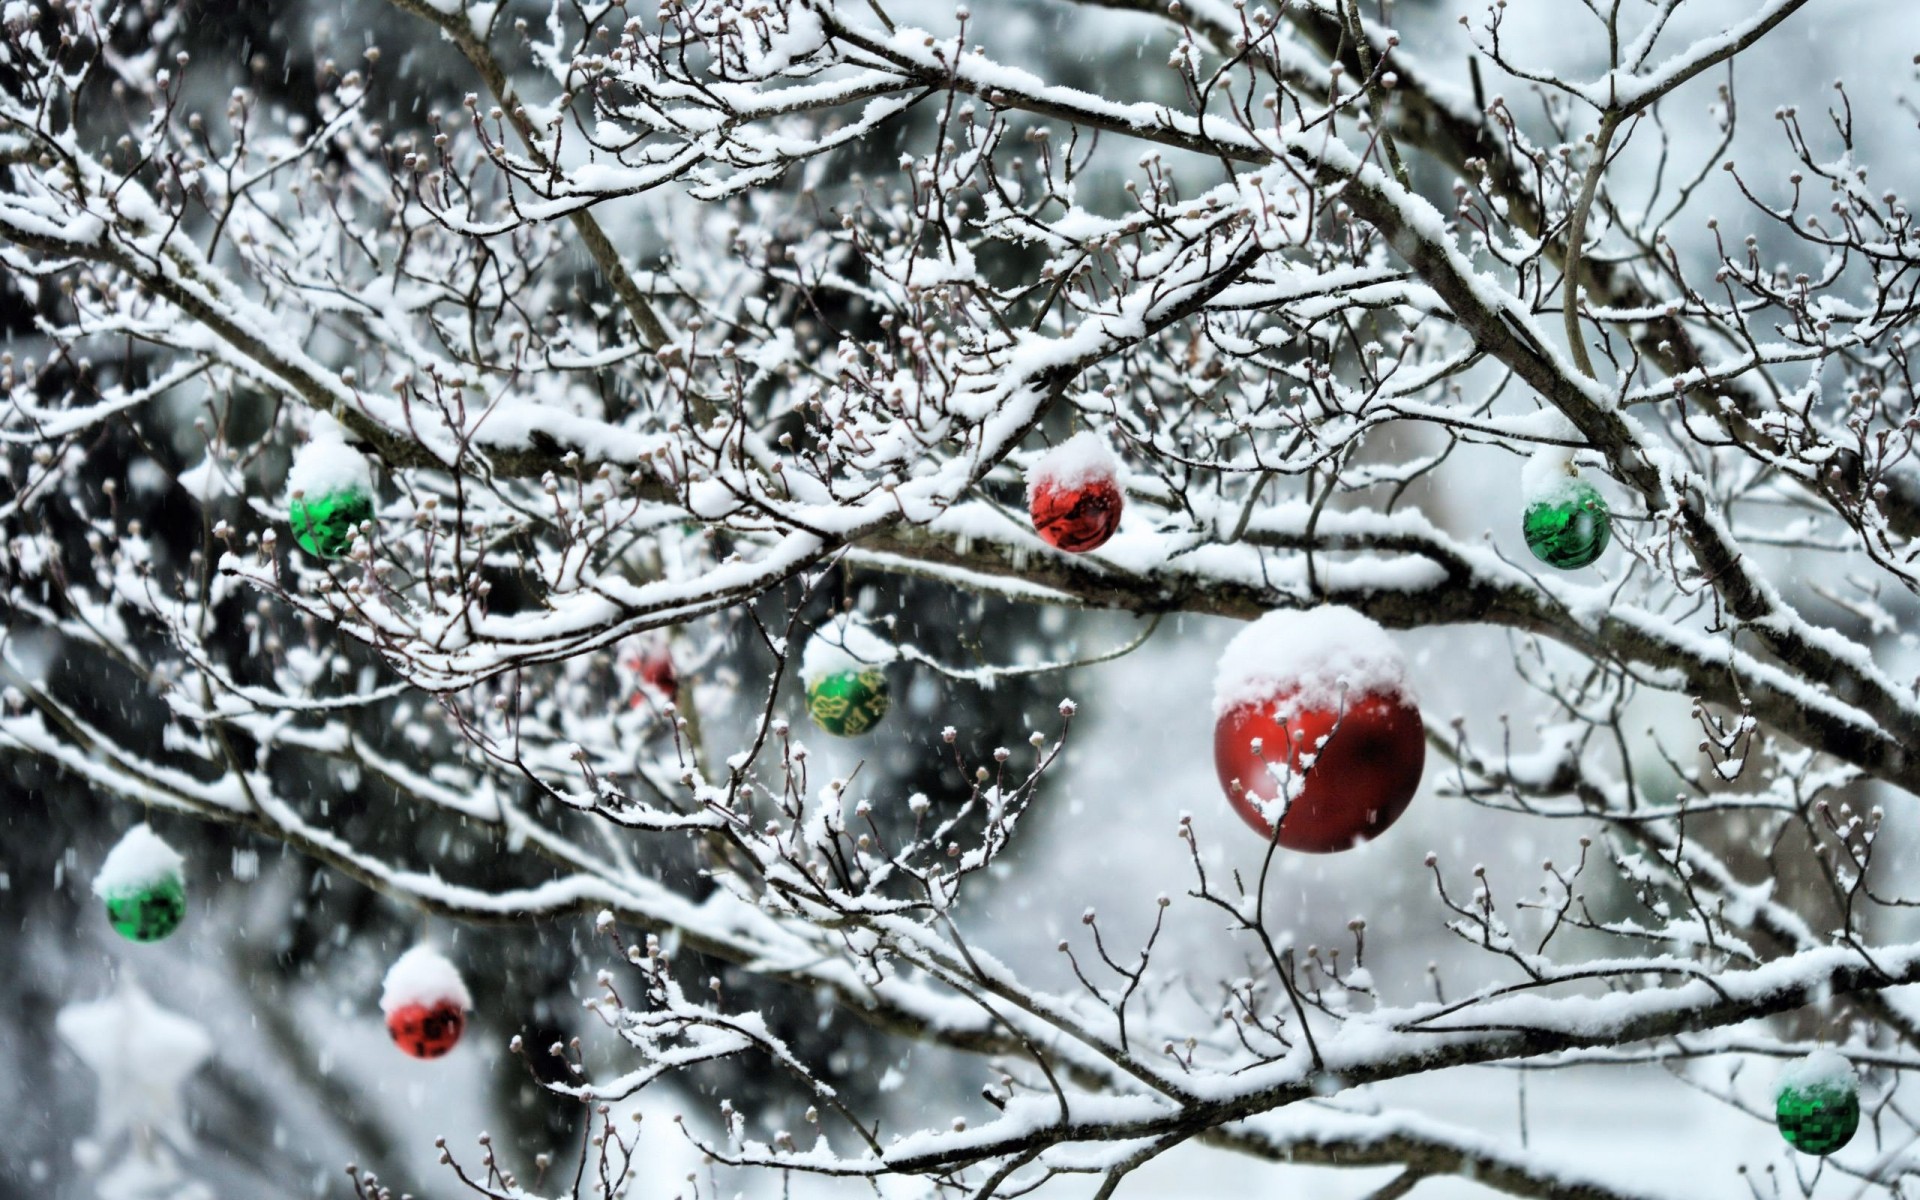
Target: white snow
{"points": [[140, 858], [1082, 457], [1823, 1070], [1321, 654], [423, 976], [1548, 477], [326, 465], [803, 36], [210, 480], [843, 645]]}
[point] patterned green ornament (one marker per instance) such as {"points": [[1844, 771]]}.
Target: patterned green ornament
{"points": [[1570, 528], [321, 524], [848, 703], [144, 884], [150, 912], [1817, 1108]]}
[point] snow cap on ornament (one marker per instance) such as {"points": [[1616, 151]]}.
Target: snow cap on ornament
{"points": [[425, 1002], [1816, 1102], [144, 884], [1316, 728], [1075, 493], [330, 491], [844, 671]]}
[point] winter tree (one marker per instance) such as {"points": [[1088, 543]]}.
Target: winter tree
{"points": [[770, 492]]}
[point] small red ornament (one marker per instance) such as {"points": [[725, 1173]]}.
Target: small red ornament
{"points": [[425, 1002], [657, 672], [426, 1032], [1313, 714], [1074, 496]]}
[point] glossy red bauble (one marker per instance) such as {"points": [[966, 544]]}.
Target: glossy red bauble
{"points": [[1076, 518], [1074, 493], [426, 1031], [1350, 770]]}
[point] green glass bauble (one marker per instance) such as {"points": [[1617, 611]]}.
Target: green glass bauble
{"points": [[322, 524], [150, 912], [1570, 529], [1817, 1118], [848, 703]]}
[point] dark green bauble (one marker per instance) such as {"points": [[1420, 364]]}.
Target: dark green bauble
{"points": [[1818, 1118], [848, 703], [1571, 529], [323, 524], [150, 912]]}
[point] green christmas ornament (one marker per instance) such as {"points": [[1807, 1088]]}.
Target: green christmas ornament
{"points": [[848, 703], [331, 490], [1567, 526], [150, 913], [1817, 1104], [323, 524], [844, 669], [143, 885]]}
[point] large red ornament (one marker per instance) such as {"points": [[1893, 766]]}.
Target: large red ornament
{"points": [[1314, 718], [1074, 495], [426, 1031], [1349, 774]]}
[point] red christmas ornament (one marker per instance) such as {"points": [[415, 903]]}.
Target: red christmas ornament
{"points": [[656, 670], [425, 1002], [1314, 719], [426, 1032], [1074, 496], [1361, 767]]}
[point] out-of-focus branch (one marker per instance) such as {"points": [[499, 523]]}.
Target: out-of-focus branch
{"points": [[457, 22]]}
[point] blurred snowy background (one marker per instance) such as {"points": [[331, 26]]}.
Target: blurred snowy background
{"points": [[280, 962]]}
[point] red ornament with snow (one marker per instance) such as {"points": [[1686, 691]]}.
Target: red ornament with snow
{"points": [[1315, 727], [1074, 496], [657, 674], [426, 1003]]}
